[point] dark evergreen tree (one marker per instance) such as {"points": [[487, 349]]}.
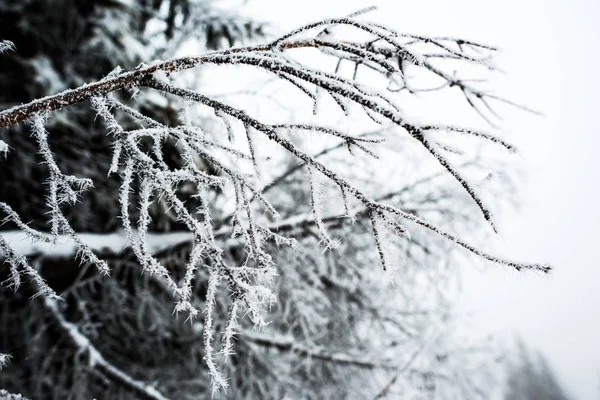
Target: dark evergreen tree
{"points": [[61, 44]]}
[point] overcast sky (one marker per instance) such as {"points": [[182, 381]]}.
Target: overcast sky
{"points": [[549, 53]]}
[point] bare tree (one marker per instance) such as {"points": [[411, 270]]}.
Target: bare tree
{"points": [[250, 233]]}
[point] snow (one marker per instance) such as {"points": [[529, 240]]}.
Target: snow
{"points": [[114, 243]]}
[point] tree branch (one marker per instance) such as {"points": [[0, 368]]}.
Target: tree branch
{"points": [[289, 344], [96, 360]]}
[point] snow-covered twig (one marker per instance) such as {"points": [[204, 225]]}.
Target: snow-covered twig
{"points": [[96, 359]]}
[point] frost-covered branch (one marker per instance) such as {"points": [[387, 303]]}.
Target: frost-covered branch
{"points": [[231, 161], [383, 210]]}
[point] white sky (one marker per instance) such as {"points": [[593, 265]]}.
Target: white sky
{"points": [[550, 56]]}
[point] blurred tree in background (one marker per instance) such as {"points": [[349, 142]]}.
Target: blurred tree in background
{"points": [[530, 378]]}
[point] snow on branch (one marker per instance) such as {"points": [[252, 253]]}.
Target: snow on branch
{"points": [[138, 162], [96, 359]]}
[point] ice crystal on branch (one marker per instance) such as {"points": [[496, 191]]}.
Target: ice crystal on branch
{"points": [[4, 360], [6, 45]]}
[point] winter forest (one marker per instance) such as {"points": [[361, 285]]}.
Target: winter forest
{"points": [[196, 205]]}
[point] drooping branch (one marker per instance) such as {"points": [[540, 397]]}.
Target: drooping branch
{"points": [[139, 163], [271, 134], [96, 359]]}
